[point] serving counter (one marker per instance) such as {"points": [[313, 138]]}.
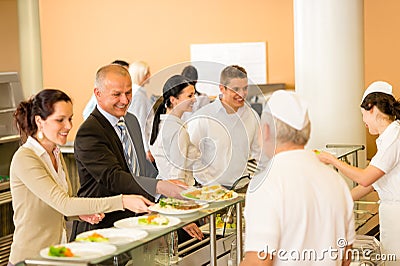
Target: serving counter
{"points": [[366, 210], [136, 254]]}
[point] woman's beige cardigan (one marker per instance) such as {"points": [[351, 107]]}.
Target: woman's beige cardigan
{"points": [[40, 205]]}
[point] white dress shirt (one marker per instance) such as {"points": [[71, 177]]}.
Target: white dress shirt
{"points": [[114, 122], [226, 141]]}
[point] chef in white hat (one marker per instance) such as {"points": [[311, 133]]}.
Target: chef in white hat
{"points": [[380, 113], [297, 203]]}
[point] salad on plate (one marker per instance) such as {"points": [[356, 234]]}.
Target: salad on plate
{"points": [[177, 206], [209, 193], [148, 222]]}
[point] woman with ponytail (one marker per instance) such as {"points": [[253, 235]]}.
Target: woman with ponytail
{"points": [[40, 186], [170, 143], [381, 114]]}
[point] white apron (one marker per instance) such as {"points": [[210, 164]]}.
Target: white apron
{"points": [[389, 219]]}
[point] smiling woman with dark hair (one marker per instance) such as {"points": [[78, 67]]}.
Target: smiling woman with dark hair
{"points": [[40, 186], [170, 143]]}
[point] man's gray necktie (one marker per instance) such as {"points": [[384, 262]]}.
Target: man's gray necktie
{"points": [[129, 149]]}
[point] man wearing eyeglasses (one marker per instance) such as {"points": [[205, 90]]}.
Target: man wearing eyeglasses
{"points": [[226, 131]]}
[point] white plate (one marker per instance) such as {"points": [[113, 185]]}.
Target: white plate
{"points": [[82, 251], [183, 194], [132, 222], [173, 211], [116, 236]]}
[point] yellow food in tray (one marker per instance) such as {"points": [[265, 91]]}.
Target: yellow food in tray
{"points": [[95, 237], [211, 188], [154, 219], [220, 223]]}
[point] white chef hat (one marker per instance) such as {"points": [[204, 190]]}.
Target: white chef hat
{"points": [[289, 108], [378, 86]]}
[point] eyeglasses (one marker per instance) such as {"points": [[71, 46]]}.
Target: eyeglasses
{"points": [[237, 89]]}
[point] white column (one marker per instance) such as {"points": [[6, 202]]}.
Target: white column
{"points": [[329, 68], [30, 47]]}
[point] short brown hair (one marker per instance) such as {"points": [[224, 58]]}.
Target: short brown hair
{"points": [[231, 72]]}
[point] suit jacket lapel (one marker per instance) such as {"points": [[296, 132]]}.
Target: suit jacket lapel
{"points": [[110, 133]]}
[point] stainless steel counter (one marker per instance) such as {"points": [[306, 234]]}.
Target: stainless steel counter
{"points": [[365, 210]]}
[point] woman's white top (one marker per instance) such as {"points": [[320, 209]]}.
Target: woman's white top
{"points": [[173, 152], [387, 159]]}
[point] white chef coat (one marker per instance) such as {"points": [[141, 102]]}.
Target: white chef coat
{"points": [[172, 150], [387, 159], [298, 203], [226, 142]]}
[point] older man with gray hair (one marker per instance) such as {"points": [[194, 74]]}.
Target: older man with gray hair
{"points": [[298, 210]]}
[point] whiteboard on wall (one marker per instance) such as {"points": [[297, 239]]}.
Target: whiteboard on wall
{"points": [[211, 58]]}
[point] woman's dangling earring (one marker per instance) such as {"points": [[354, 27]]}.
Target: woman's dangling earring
{"points": [[40, 135]]}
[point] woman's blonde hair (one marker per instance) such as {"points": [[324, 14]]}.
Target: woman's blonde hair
{"points": [[139, 71]]}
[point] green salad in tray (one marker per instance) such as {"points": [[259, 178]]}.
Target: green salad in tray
{"points": [[60, 251], [178, 204]]}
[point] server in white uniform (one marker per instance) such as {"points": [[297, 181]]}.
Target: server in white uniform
{"points": [[381, 114], [298, 211]]}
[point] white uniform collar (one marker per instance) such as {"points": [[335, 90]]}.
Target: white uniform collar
{"points": [[387, 131]]}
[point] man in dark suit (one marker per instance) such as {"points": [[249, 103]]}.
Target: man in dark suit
{"points": [[103, 170]]}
